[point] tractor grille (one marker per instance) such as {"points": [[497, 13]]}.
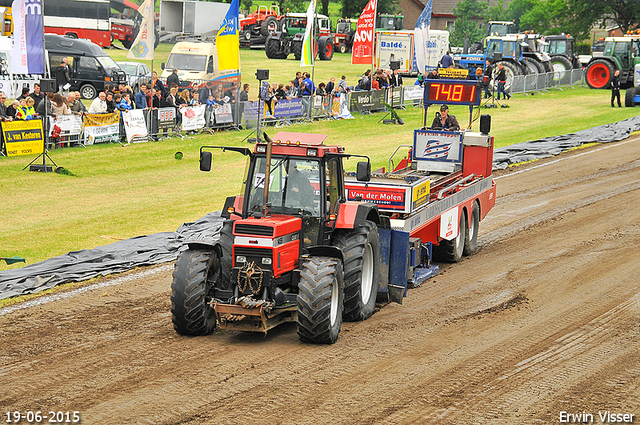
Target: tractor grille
{"points": [[255, 255], [253, 230]]}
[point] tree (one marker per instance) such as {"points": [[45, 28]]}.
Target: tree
{"points": [[468, 12], [625, 13], [353, 8]]}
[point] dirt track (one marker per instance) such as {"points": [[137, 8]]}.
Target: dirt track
{"points": [[544, 319]]}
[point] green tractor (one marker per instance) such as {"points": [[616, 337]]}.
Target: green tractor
{"points": [[620, 53], [280, 44]]}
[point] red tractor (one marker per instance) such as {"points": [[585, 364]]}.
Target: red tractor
{"points": [[293, 250], [256, 27]]}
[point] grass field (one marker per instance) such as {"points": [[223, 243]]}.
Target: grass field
{"points": [[120, 192]]}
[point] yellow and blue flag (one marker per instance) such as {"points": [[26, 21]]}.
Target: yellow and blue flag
{"points": [[228, 39], [307, 55]]}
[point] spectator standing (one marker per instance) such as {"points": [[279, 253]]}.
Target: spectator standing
{"points": [[447, 60], [63, 77], [296, 81], [502, 79], [111, 103], [3, 117], [320, 91], [155, 98], [11, 109], [79, 101], [59, 105], [173, 79], [99, 104], [331, 85], [365, 81], [486, 79], [141, 99], [26, 110], [76, 107], [281, 93], [205, 92], [24, 94], [156, 83], [615, 88], [310, 87], [37, 94], [396, 78]]}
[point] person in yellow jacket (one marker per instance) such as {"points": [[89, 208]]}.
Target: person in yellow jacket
{"points": [[26, 111]]}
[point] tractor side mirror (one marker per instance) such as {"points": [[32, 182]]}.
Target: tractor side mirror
{"points": [[205, 161], [363, 172]]}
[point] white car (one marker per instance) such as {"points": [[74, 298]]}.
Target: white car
{"points": [[137, 74]]}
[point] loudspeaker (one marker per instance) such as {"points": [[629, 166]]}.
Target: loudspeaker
{"points": [[485, 124], [262, 74], [48, 86], [394, 65]]}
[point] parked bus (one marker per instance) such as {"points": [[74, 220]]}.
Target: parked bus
{"points": [[79, 19]]}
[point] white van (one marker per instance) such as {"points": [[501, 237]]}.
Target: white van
{"points": [[197, 63]]}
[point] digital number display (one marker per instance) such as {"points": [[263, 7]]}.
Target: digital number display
{"points": [[456, 92]]}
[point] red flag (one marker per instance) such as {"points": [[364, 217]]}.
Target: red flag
{"points": [[362, 52]]}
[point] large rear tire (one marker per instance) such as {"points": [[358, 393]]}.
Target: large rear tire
{"points": [[320, 300], [272, 48], [628, 98], [325, 48], [561, 66], [599, 73], [195, 272], [452, 251], [511, 70], [268, 26], [361, 249], [471, 239]]}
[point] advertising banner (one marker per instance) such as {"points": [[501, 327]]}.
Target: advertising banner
{"points": [[101, 128], [135, 126], [367, 100], [166, 118], [23, 137], [284, 109], [388, 198], [71, 125], [412, 93], [362, 51], [222, 114], [193, 117]]}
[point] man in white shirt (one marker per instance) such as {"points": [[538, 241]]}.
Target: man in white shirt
{"points": [[99, 104]]}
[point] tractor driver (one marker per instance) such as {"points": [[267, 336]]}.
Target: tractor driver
{"points": [[298, 189], [444, 121]]}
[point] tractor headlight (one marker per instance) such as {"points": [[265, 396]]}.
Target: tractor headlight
{"points": [[267, 261], [241, 259]]}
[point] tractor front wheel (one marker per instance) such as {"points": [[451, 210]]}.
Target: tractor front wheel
{"points": [[195, 272], [320, 300], [361, 248]]}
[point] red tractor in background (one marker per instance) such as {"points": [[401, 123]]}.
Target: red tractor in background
{"points": [[343, 38], [256, 27]]}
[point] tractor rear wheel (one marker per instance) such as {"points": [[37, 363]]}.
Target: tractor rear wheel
{"points": [[599, 73], [269, 25], [325, 48], [272, 48], [195, 272], [361, 248], [561, 66], [451, 251], [471, 239], [320, 300]]}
